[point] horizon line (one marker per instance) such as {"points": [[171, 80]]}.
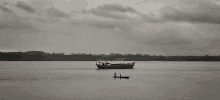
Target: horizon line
{"points": [[100, 53]]}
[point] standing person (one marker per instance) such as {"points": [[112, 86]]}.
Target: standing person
{"points": [[115, 74]]}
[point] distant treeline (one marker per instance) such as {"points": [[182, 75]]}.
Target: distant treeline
{"points": [[42, 56]]}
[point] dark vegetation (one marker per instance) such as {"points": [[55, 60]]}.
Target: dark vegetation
{"points": [[42, 56]]}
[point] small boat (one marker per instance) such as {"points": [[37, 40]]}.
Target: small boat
{"points": [[121, 76], [107, 65], [115, 76]]}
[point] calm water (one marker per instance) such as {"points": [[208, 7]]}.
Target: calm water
{"points": [[83, 81]]}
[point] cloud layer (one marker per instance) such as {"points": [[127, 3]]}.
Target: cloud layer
{"points": [[25, 7], [183, 27], [201, 11]]}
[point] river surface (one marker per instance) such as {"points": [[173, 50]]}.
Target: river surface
{"points": [[81, 80]]}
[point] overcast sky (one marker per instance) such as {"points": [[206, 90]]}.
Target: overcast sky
{"points": [[155, 27]]}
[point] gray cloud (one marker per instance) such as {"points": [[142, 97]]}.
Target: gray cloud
{"points": [[168, 41], [105, 14], [12, 22], [195, 11], [103, 25], [151, 17], [117, 8], [114, 11], [56, 13], [161, 37], [36, 21], [5, 9], [152, 35], [22, 5], [15, 25]]}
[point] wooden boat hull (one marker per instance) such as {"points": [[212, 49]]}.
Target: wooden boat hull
{"points": [[116, 66]]}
